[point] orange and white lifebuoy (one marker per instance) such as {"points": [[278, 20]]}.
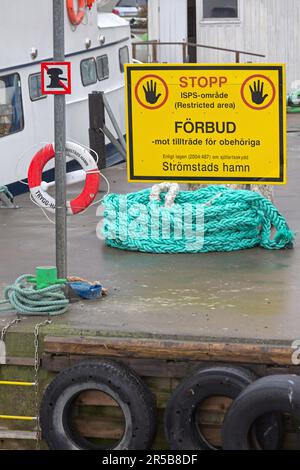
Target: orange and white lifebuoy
{"points": [[87, 162], [76, 18]]}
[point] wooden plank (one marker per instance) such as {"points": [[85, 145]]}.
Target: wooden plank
{"points": [[217, 404], [103, 428], [143, 367], [96, 398], [19, 361], [156, 367], [24, 435], [171, 349]]}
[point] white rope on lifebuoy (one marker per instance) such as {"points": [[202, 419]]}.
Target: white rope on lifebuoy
{"points": [[86, 161]]}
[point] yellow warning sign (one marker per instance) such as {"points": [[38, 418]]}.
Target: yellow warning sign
{"points": [[206, 123]]}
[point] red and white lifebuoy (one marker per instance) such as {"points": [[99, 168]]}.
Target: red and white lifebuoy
{"points": [[87, 162], [76, 18]]}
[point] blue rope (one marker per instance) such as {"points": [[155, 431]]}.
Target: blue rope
{"points": [[233, 220], [27, 300]]}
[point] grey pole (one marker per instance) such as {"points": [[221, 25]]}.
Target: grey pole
{"points": [[60, 144]]}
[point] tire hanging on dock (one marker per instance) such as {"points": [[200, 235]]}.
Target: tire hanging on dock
{"points": [[111, 378], [273, 394], [181, 427]]}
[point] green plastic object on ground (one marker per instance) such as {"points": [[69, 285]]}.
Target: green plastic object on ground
{"points": [[231, 220], [46, 276]]}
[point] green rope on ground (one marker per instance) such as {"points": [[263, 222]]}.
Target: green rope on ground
{"points": [[233, 220], [4, 189], [27, 300]]}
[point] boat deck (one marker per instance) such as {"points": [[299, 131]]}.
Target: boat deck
{"points": [[251, 295]]}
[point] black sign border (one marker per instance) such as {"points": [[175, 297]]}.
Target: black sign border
{"points": [[133, 177]]}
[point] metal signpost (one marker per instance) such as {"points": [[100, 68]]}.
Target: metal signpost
{"points": [[60, 143]]}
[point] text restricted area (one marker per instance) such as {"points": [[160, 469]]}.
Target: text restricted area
{"points": [[206, 123]]}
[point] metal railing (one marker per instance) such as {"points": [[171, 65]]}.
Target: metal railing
{"points": [[185, 47]]}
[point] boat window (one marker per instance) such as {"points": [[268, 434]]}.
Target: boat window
{"points": [[124, 57], [88, 71], [220, 9], [11, 108], [35, 87], [102, 67]]}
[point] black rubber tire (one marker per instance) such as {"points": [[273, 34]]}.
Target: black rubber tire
{"points": [[273, 394], [118, 381], [180, 424]]}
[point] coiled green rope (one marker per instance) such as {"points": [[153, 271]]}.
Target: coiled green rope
{"points": [[27, 300], [233, 220]]}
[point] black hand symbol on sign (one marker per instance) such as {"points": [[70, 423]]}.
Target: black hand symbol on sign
{"points": [[151, 92], [257, 92]]}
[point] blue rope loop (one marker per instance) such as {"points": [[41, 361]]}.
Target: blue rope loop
{"points": [[25, 299], [233, 220]]}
